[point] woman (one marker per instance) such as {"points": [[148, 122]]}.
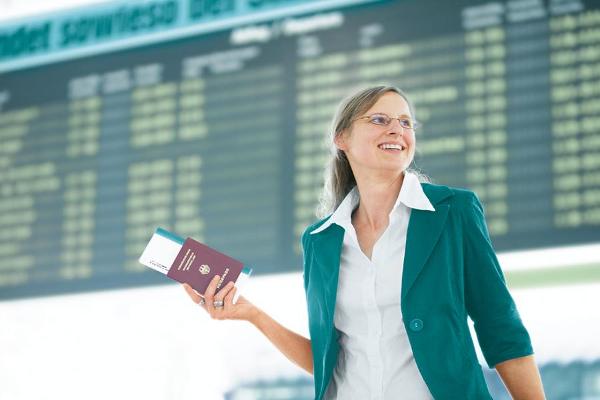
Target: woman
{"points": [[391, 274]]}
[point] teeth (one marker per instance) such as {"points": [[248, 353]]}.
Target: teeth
{"points": [[391, 146]]}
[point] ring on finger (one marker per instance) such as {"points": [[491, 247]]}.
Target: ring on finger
{"points": [[218, 303], [202, 301]]}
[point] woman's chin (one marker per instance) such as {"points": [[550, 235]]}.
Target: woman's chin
{"points": [[395, 165]]}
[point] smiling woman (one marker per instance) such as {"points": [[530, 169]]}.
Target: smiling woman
{"points": [[392, 271], [396, 265]]}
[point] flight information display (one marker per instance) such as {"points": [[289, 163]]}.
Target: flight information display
{"points": [[220, 135]]}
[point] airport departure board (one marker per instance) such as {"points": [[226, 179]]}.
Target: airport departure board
{"points": [[220, 135]]}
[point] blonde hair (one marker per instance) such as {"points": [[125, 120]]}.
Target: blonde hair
{"points": [[339, 178]]}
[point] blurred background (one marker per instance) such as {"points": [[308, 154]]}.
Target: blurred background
{"points": [[208, 118]]}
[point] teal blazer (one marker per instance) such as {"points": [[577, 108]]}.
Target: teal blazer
{"points": [[450, 272]]}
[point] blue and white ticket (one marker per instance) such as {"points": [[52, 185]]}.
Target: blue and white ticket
{"points": [[161, 250]]}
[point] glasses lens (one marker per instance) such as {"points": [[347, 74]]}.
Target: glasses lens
{"points": [[380, 119], [406, 123]]}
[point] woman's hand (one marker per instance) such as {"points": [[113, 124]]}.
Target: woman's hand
{"points": [[241, 310]]}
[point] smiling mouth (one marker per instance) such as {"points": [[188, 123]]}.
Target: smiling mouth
{"points": [[391, 147]]}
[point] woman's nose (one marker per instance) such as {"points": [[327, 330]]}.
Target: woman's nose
{"points": [[395, 130]]}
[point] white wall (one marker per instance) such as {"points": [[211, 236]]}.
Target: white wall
{"points": [[151, 343]]}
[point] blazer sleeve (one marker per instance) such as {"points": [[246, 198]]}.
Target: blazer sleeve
{"points": [[500, 331], [305, 264]]}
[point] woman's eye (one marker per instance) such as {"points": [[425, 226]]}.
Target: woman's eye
{"points": [[379, 119], [406, 123]]}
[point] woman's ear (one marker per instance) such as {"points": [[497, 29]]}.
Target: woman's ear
{"points": [[339, 141]]}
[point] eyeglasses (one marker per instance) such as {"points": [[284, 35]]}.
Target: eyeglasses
{"points": [[382, 119]]}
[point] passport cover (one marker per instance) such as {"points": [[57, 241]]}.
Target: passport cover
{"points": [[189, 261], [196, 264]]}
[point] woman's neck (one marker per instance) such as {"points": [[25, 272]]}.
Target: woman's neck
{"points": [[378, 194]]}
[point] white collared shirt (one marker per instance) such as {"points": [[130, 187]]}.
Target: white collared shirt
{"points": [[375, 360]]}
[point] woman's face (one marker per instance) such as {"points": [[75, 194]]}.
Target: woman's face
{"points": [[364, 142]]}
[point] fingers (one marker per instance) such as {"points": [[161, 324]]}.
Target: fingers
{"points": [[220, 312], [229, 300], [210, 293], [210, 297], [225, 294]]}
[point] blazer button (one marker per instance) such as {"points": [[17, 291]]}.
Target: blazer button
{"points": [[416, 325]]}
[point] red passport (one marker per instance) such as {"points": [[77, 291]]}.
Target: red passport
{"points": [[196, 264]]}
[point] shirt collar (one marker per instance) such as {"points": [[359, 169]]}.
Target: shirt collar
{"points": [[411, 195]]}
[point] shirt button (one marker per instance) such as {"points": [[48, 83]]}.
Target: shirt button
{"points": [[416, 325]]}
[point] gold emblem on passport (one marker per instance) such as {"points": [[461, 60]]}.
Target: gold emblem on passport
{"points": [[204, 269]]}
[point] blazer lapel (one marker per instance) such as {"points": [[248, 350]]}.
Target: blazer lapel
{"points": [[326, 256], [424, 229]]}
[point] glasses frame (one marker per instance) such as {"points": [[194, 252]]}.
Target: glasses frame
{"points": [[414, 123]]}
